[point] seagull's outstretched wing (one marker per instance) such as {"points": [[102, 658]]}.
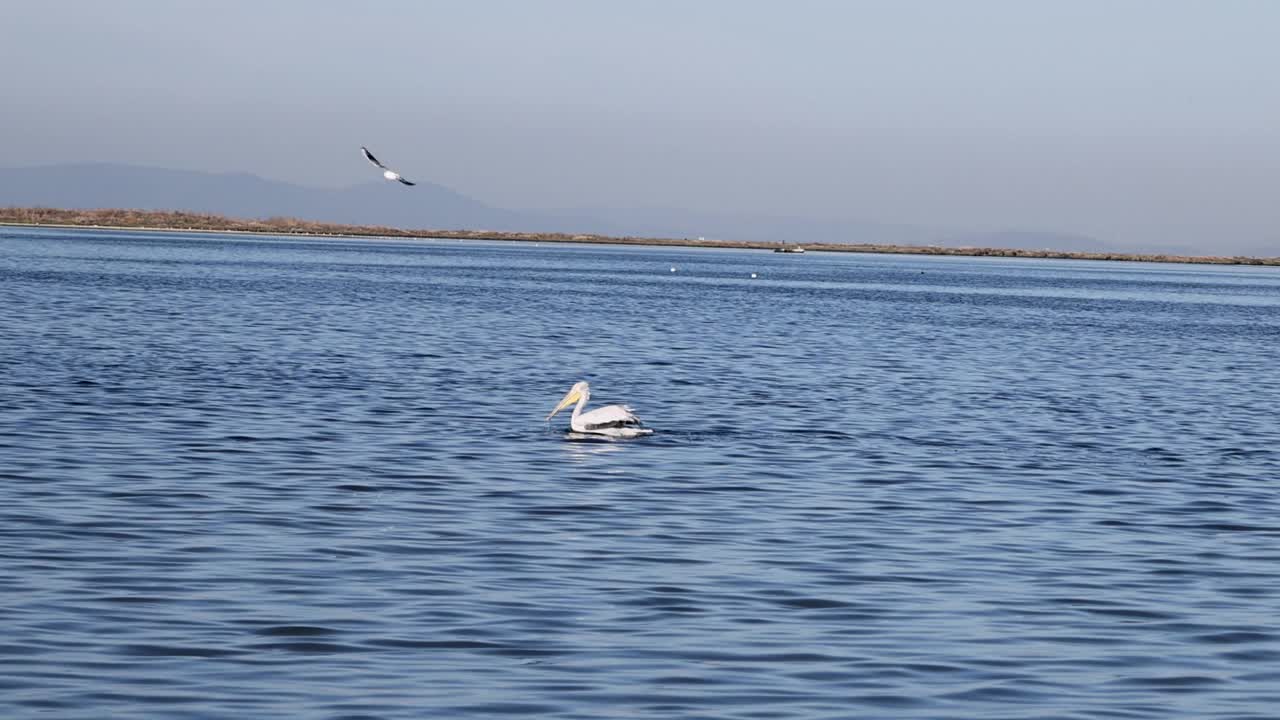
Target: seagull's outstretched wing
{"points": [[369, 156], [406, 182]]}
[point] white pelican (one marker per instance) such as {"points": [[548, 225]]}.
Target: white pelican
{"points": [[615, 421], [387, 172]]}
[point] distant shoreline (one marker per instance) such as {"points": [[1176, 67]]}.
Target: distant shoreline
{"points": [[200, 222]]}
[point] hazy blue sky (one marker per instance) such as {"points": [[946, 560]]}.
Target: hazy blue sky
{"points": [[1137, 121]]}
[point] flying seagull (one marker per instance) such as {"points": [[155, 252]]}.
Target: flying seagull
{"points": [[387, 172]]}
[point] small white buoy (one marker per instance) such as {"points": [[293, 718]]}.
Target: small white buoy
{"points": [[673, 269], [753, 276]]}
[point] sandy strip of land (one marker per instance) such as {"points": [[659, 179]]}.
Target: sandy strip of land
{"points": [[198, 222]]}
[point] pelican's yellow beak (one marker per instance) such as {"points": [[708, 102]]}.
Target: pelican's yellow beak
{"points": [[568, 400]]}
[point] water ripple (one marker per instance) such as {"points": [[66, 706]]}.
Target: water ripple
{"points": [[298, 478]]}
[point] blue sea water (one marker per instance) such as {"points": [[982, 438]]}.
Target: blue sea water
{"points": [[300, 478]]}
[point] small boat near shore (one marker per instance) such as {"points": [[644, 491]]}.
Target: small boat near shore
{"points": [[785, 248]]}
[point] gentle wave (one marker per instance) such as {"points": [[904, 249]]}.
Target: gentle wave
{"points": [[284, 478]]}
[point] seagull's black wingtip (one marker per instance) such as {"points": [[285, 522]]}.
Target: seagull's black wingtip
{"points": [[369, 156]]}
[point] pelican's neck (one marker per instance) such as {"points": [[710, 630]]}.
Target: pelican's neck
{"points": [[577, 410]]}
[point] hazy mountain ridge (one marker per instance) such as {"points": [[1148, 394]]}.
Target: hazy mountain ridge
{"points": [[245, 195], [434, 206]]}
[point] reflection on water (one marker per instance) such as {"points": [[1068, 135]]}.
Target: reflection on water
{"points": [[580, 446], [300, 478]]}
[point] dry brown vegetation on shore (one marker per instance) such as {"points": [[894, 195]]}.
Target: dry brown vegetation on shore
{"points": [[178, 220]]}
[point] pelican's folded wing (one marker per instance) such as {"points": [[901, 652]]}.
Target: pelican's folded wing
{"points": [[609, 416]]}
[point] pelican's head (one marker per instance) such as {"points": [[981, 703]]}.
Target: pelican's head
{"points": [[580, 391]]}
